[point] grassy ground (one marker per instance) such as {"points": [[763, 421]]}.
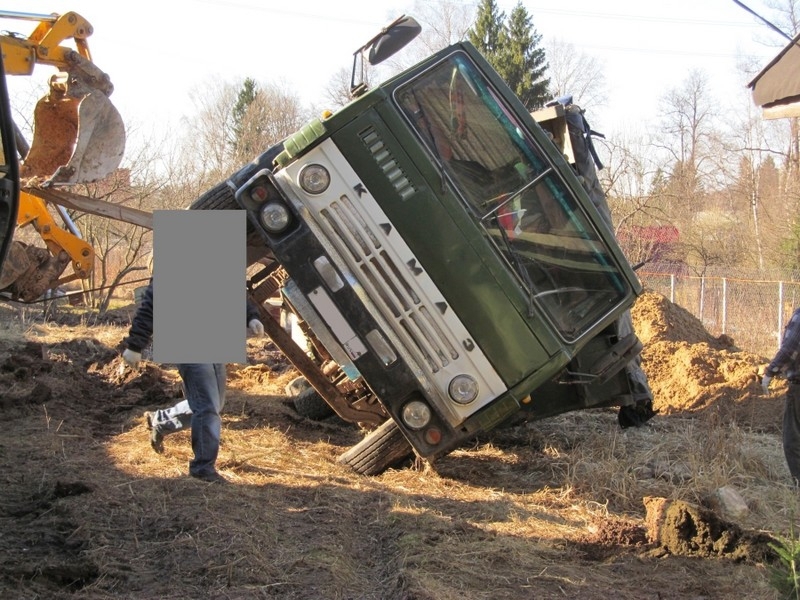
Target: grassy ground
{"points": [[551, 509]]}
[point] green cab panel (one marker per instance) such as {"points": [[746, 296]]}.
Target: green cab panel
{"points": [[452, 249]]}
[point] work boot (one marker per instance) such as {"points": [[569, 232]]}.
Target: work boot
{"points": [[156, 438], [213, 477]]}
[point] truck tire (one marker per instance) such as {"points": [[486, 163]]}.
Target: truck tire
{"points": [[381, 449], [311, 405], [296, 385], [220, 197]]}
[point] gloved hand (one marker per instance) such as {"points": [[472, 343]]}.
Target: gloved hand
{"points": [[256, 327], [131, 357], [765, 383]]}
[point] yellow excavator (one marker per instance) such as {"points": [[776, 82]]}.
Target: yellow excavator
{"points": [[78, 137]]}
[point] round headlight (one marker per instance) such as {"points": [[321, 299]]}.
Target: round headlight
{"points": [[315, 179], [463, 389], [275, 217], [416, 414]]}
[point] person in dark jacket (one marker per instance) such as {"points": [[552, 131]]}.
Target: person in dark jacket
{"points": [[786, 363], [204, 388]]}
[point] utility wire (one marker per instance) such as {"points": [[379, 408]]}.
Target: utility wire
{"points": [[771, 25]]}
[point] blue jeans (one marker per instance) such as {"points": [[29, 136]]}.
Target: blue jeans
{"points": [[204, 385]]}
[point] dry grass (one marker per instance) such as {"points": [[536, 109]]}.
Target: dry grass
{"points": [[545, 510]]}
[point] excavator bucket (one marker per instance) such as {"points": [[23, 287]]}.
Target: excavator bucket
{"points": [[77, 137]]}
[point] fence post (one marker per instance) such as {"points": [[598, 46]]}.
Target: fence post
{"points": [[724, 303], [702, 296]]}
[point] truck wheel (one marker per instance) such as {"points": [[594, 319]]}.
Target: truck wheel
{"points": [[296, 385], [383, 448], [220, 197], [311, 405]]}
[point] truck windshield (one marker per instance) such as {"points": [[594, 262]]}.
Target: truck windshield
{"points": [[513, 191]]}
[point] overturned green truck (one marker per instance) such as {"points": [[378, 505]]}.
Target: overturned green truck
{"points": [[441, 255]]}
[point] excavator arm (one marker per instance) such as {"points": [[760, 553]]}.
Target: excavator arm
{"points": [[33, 211], [43, 44], [78, 137], [31, 270]]}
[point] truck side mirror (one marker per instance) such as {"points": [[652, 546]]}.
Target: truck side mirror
{"points": [[392, 38]]}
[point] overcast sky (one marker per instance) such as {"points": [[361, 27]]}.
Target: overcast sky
{"points": [[158, 53]]}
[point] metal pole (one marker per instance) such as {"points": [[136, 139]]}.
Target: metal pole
{"points": [[672, 288]]}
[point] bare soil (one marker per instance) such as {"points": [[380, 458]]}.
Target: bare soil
{"points": [[552, 509]]}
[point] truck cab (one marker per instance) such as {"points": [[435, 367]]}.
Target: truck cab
{"points": [[444, 259]]}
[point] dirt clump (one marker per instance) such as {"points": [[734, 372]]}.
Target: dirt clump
{"points": [[687, 529]]}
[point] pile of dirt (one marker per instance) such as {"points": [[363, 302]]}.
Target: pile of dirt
{"points": [[692, 372], [82, 375]]}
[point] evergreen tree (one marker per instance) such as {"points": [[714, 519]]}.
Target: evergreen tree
{"points": [[522, 60], [488, 31], [513, 49], [244, 100]]}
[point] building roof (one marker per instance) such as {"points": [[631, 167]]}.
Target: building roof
{"points": [[776, 89]]}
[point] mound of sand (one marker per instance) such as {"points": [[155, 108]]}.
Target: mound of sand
{"points": [[690, 371]]}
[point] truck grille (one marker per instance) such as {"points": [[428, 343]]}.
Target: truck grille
{"points": [[387, 163], [393, 283]]}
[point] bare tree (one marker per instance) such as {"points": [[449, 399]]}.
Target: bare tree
{"points": [[631, 181], [124, 248], [688, 136], [120, 250], [713, 239], [576, 73], [443, 22], [275, 113], [210, 131], [786, 15], [337, 92], [210, 149], [754, 192]]}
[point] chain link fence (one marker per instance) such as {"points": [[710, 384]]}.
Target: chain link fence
{"points": [[751, 311]]}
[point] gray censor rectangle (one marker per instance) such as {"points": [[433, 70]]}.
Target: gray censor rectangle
{"points": [[199, 286]]}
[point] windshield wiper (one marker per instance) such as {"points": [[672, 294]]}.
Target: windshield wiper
{"points": [[517, 261]]}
